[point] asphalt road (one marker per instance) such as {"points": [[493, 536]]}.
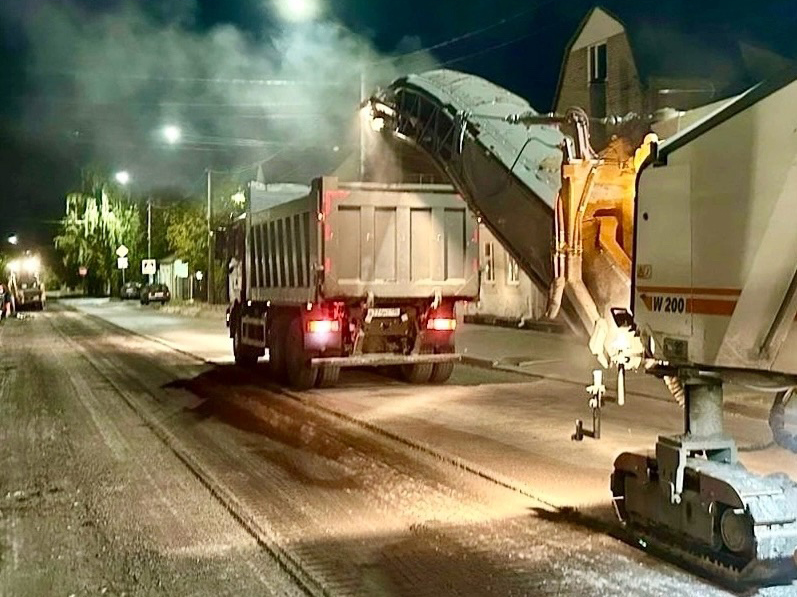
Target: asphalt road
{"points": [[131, 468], [91, 502]]}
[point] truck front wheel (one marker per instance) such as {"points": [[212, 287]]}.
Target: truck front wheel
{"points": [[277, 343], [245, 356], [301, 374]]}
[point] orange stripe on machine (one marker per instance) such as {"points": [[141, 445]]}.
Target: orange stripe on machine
{"points": [[675, 304], [690, 291], [671, 299]]}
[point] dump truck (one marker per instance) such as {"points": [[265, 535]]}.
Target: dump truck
{"points": [[343, 274]]}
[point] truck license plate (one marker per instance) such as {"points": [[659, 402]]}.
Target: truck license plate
{"points": [[384, 312]]}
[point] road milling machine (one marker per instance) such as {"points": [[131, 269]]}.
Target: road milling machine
{"points": [[678, 257]]}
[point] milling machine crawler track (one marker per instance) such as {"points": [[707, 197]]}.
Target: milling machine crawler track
{"points": [[695, 496]]}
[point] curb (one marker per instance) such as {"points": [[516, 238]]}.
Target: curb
{"points": [[548, 327], [737, 407]]}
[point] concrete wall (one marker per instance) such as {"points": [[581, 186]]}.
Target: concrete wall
{"points": [[501, 296], [179, 287]]}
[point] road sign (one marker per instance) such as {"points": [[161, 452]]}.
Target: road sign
{"points": [[148, 266], [121, 263], [181, 269], [121, 252], [83, 270]]}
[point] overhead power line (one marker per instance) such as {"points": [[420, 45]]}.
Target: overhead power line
{"points": [[464, 36], [224, 81]]}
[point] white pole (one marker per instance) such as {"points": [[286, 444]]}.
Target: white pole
{"points": [[362, 126], [149, 233], [210, 239]]}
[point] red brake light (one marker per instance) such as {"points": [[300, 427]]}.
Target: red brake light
{"points": [[440, 324], [323, 326]]}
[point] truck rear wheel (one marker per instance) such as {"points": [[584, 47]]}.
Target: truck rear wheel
{"points": [[245, 356], [328, 376], [301, 374], [418, 372], [441, 372], [276, 348]]}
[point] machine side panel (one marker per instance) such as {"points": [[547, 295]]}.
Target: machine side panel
{"points": [[664, 258], [743, 187]]}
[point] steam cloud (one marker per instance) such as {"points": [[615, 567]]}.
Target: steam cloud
{"points": [[105, 81]]}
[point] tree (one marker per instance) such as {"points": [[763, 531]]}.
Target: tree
{"points": [[98, 220], [186, 231], [186, 227]]}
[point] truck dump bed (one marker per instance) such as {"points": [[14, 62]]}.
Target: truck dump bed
{"points": [[352, 240]]}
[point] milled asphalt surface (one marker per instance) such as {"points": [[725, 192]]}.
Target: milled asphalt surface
{"points": [[513, 424], [364, 515], [91, 503]]}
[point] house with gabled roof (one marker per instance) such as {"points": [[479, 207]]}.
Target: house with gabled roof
{"points": [[610, 69]]}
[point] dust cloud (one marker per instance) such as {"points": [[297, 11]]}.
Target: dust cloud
{"points": [[104, 78]]}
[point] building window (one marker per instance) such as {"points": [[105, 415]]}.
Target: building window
{"points": [[489, 262], [512, 272], [597, 63]]}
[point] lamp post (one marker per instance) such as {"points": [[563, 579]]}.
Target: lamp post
{"points": [[173, 134]]}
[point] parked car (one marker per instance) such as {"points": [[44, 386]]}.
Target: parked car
{"points": [[155, 293], [130, 290]]}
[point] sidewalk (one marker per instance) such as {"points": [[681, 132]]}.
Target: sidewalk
{"points": [[566, 358]]}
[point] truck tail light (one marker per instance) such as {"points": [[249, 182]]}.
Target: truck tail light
{"points": [[323, 326], [441, 324]]}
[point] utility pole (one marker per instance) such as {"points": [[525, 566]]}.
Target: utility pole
{"points": [[210, 239], [363, 97], [149, 233]]}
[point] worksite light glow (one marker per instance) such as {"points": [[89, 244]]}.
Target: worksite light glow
{"points": [[32, 265]]}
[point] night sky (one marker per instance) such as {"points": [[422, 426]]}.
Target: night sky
{"points": [[90, 82]]}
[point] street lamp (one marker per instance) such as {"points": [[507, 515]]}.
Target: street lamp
{"points": [[13, 239], [172, 134], [122, 177], [298, 10]]}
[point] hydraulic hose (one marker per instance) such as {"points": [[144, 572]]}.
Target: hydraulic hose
{"points": [[777, 422]]}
